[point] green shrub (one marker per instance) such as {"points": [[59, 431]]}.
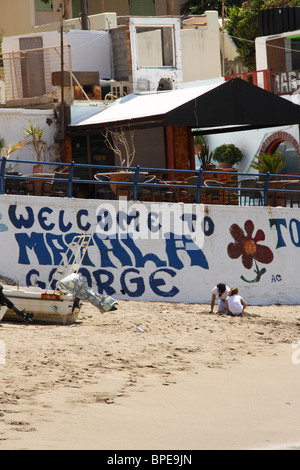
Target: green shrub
{"points": [[269, 162], [227, 153]]}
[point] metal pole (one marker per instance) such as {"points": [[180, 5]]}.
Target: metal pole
{"points": [[61, 6], [84, 15]]}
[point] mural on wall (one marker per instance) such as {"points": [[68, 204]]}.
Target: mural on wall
{"points": [[117, 246], [249, 249], [3, 227], [159, 252]]}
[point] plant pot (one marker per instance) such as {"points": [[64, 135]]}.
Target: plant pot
{"points": [[225, 165], [209, 167], [118, 188]]}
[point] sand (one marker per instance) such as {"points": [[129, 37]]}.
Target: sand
{"points": [[153, 376]]}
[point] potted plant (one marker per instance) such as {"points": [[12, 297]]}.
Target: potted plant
{"points": [[121, 141], [203, 153], [269, 162], [227, 155]]}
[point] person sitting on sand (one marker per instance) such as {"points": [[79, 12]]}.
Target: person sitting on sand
{"points": [[222, 291], [235, 304]]}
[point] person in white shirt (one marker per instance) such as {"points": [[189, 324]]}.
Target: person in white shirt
{"points": [[222, 291], [235, 304]]}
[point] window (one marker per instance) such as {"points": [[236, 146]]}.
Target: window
{"points": [[292, 161], [155, 46], [76, 8], [40, 5], [141, 7], [295, 46]]}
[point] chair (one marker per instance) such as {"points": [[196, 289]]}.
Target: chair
{"points": [[249, 193], [127, 189], [148, 190], [233, 195], [212, 190], [57, 187], [192, 192], [291, 197], [162, 191], [15, 185], [103, 191]]}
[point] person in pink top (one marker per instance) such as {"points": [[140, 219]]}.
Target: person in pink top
{"points": [[235, 304]]}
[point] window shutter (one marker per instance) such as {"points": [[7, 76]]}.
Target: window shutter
{"points": [[142, 7], [41, 6]]}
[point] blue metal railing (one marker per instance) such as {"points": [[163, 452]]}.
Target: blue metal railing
{"points": [[267, 191]]}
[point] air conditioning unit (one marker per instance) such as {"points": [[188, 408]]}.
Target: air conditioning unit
{"points": [[120, 89], [143, 85]]}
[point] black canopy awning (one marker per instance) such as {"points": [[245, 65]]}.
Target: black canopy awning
{"points": [[234, 104]]}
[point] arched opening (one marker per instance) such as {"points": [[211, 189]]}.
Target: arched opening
{"points": [[288, 147]]}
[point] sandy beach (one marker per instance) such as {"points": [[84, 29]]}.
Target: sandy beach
{"points": [[161, 376]]}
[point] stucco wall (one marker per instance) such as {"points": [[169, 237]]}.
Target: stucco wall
{"points": [[253, 248], [12, 124], [201, 51], [250, 142]]}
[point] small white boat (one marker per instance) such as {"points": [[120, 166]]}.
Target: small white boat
{"points": [[45, 306], [61, 305]]}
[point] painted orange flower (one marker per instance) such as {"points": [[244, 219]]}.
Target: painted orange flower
{"points": [[247, 246]]}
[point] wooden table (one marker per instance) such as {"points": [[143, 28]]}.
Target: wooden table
{"points": [[276, 198], [38, 183]]}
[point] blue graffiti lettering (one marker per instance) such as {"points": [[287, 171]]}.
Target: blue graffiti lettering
{"points": [[189, 218], [80, 214], [62, 226], [42, 218], [294, 223], [138, 281], [21, 222], [112, 248], [33, 242], [34, 272], [277, 223], [125, 220], [155, 283], [208, 226], [174, 244], [104, 286], [57, 246], [3, 227], [152, 226], [294, 231]]}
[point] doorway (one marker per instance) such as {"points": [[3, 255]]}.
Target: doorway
{"points": [[32, 66]]}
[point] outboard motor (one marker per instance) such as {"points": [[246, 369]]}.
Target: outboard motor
{"points": [[77, 285]]}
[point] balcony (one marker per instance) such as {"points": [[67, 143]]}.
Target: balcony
{"points": [[279, 83]]}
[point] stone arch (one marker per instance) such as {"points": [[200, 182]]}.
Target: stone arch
{"points": [[272, 142]]}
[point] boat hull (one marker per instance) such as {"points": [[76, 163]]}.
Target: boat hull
{"points": [[46, 306]]}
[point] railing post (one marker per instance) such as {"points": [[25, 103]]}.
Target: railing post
{"points": [[135, 182], [70, 178], [199, 184], [2, 172], [267, 179]]}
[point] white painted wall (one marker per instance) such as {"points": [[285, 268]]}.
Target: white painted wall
{"points": [[35, 231], [249, 142], [154, 74], [201, 51], [12, 124], [89, 51]]}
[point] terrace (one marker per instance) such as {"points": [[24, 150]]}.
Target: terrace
{"points": [[153, 185]]}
